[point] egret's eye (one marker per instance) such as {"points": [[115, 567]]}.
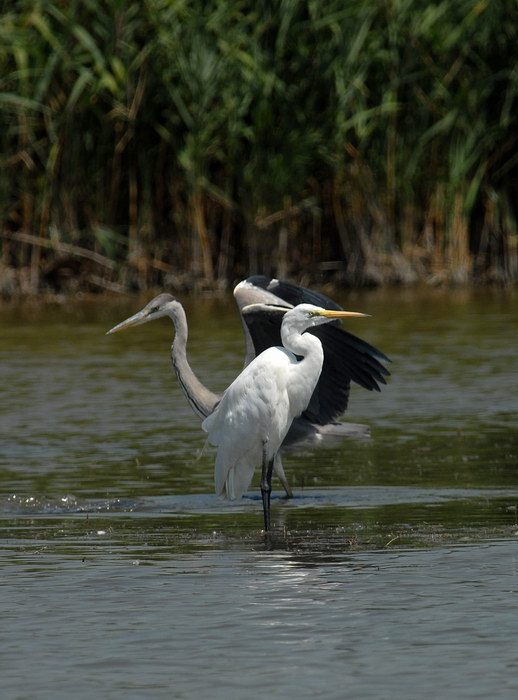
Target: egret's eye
{"points": [[154, 309]]}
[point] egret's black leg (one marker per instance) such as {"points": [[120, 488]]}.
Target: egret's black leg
{"points": [[266, 489]]}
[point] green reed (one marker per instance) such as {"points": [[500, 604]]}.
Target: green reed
{"points": [[195, 142]]}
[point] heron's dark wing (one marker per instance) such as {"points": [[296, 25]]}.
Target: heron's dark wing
{"points": [[263, 322], [290, 293], [346, 358]]}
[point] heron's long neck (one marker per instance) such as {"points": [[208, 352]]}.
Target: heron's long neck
{"points": [[306, 372], [201, 399]]}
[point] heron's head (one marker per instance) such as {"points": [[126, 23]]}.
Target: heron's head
{"points": [[308, 316], [160, 306]]}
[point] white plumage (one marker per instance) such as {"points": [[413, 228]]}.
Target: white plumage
{"points": [[250, 422], [253, 417]]}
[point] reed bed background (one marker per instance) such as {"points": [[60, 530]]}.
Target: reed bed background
{"points": [[189, 143]]}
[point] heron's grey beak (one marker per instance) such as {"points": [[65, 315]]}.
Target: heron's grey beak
{"points": [[341, 314], [135, 320]]}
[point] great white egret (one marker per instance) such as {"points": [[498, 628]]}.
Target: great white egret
{"points": [[249, 424], [262, 303]]}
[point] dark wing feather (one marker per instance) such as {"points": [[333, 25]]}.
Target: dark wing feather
{"points": [[264, 325], [346, 358]]}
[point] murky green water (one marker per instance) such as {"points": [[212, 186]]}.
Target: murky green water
{"points": [[395, 568]]}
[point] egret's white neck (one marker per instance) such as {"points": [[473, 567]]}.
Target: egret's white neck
{"points": [[306, 372], [298, 342]]}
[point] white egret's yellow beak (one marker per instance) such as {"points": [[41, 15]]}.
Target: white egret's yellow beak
{"points": [[329, 313]]}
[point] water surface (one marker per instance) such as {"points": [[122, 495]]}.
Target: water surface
{"points": [[122, 574]]}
